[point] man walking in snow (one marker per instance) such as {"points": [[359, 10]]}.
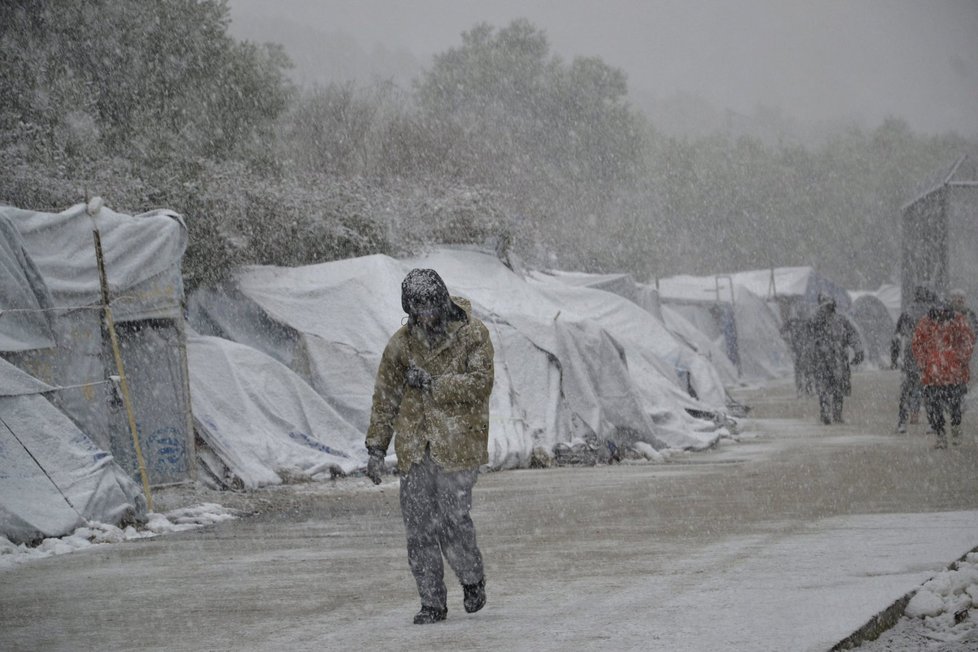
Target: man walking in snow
{"points": [[902, 356], [942, 346], [832, 337], [432, 397]]}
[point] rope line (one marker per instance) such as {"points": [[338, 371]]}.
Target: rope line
{"points": [[94, 306]]}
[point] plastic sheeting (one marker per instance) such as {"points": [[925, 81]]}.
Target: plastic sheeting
{"points": [[52, 477], [732, 310], [262, 421], [142, 256], [647, 342], [800, 283], [24, 298], [559, 374]]}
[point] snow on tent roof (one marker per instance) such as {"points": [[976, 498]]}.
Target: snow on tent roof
{"points": [[798, 282], [331, 322], [142, 258], [624, 285], [52, 477], [629, 323]]}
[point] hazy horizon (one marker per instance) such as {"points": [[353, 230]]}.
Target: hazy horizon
{"points": [[814, 61]]}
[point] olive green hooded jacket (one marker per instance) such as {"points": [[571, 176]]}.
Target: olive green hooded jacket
{"points": [[453, 415]]}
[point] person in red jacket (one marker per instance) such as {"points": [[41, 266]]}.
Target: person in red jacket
{"points": [[942, 346]]}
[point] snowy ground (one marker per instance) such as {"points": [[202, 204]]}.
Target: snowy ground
{"points": [[790, 539], [941, 615], [94, 533]]}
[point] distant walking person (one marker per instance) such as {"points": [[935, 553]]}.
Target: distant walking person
{"points": [[902, 357], [832, 338], [432, 397], [797, 333], [942, 346], [959, 304]]}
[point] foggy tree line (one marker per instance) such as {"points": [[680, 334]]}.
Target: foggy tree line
{"points": [[152, 103]]}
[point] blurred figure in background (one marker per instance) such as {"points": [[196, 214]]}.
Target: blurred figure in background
{"points": [[833, 336], [902, 357], [942, 346], [797, 333], [959, 304]]}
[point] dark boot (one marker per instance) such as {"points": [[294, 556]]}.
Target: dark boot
{"points": [[475, 596], [429, 615]]}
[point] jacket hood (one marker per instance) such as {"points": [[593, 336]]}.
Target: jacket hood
{"points": [[424, 287]]}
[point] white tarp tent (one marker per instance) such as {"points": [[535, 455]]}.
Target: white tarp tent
{"points": [[698, 341], [142, 256], [888, 294], [624, 285], [261, 422], [557, 380], [647, 297], [53, 478], [645, 337], [735, 318], [798, 283]]}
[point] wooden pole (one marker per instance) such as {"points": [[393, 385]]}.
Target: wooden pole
{"points": [[117, 354]]}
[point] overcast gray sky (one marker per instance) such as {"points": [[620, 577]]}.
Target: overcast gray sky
{"points": [[815, 60]]}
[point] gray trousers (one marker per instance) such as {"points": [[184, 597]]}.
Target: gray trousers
{"points": [[435, 505]]}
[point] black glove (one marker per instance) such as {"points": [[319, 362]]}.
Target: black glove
{"points": [[375, 464], [417, 377], [857, 359]]}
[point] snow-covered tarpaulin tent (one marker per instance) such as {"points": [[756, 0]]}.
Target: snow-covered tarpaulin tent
{"points": [[260, 423], [803, 284], [142, 257], [53, 478], [692, 339], [734, 317], [559, 376]]}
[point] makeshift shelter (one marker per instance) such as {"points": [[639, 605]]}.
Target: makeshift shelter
{"points": [[53, 478], [735, 318], [259, 423], [698, 341], [939, 233], [560, 376], [142, 257], [696, 372], [624, 285], [801, 284]]}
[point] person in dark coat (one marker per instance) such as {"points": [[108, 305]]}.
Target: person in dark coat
{"points": [[833, 336], [942, 345], [797, 332], [432, 397], [902, 357]]}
